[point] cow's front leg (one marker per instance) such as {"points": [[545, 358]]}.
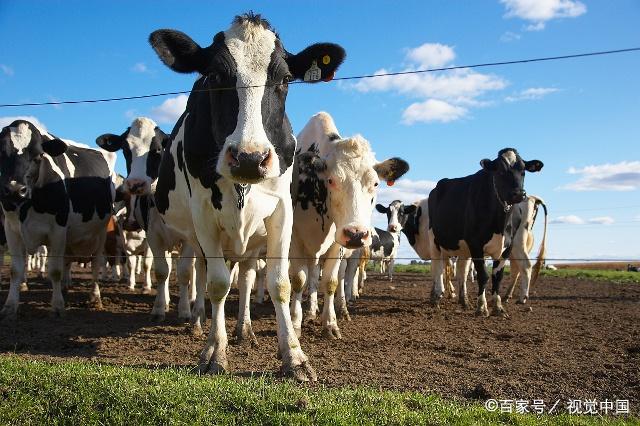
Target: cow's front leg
{"points": [[18, 265], [437, 270], [483, 277], [246, 280], [299, 274], [329, 283], [496, 277], [350, 286], [462, 271], [131, 261], [341, 300], [56, 270], [96, 265], [198, 314], [147, 261], [312, 287], [279, 225], [162, 266]]}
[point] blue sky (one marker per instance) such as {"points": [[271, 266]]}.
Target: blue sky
{"points": [[580, 117]]}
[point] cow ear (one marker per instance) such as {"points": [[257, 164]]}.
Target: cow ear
{"points": [[410, 209], [164, 138], [533, 165], [54, 147], [178, 51], [317, 62], [381, 208], [391, 169], [109, 142], [488, 165]]}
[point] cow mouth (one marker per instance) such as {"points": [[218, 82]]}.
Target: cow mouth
{"points": [[249, 167], [131, 226]]}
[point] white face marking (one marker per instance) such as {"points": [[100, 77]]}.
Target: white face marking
{"points": [[20, 137], [510, 158], [394, 223], [251, 47], [141, 133]]}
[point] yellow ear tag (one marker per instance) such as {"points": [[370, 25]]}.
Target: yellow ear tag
{"points": [[326, 59]]}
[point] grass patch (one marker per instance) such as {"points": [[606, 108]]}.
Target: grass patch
{"points": [[33, 392]]}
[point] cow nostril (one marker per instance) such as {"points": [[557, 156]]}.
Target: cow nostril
{"points": [[265, 158], [22, 191]]}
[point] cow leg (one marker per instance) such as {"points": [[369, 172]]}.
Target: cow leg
{"points": [[437, 270], [279, 227], [497, 272], [246, 280], [147, 261], [56, 270], [18, 265], [341, 301], [515, 274], [184, 276], [193, 288], [462, 271], [329, 284], [198, 314], [131, 261], [392, 264], [260, 284], [66, 277], [162, 266], [525, 265], [299, 273], [483, 278], [313, 279], [350, 278]]}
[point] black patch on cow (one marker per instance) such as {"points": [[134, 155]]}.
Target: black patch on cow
{"points": [[382, 239], [333, 136], [3, 235], [180, 155], [166, 180], [144, 202], [312, 190], [412, 227]]}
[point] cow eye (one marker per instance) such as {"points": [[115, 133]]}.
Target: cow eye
{"points": [[287, 79], [376, 184], [330, 181]]}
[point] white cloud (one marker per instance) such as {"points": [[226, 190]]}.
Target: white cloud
{"points": [[570, 219], [431, 55], [510, 36], [139, 67], [5, 121], [623, 176], [602, 220], [532, 93], [170, 110], [6, 70], [538, 12], [432, 110], [444, 96], [405, 190]]}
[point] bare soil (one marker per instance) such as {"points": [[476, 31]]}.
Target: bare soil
{"points": [[575, 339]]}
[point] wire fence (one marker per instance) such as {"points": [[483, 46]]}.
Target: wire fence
{"points": [[356, 77]]}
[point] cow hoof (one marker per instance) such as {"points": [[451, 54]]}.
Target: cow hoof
{"points": [[499, 312], [146, 291], [521, 302], [214, 367], [196, 330], [435, 299], [300, 373], [24, 287], [157, 317], [482, 312], [309, 316], [331, 332], [464, 302], [343, 314], [57, 313], [245, 334], [452, 296], [185, 318]]}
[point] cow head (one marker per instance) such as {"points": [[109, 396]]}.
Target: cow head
{"points": [[507, 173], [141, 145], [397, 214], [23, 163], [246, 71], [351, 177]]}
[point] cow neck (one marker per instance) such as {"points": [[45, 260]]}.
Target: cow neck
{"points": [[506, 206]]}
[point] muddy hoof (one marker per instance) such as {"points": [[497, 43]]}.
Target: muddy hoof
{"points": [[521, 302], [499, 312], [464, 302], [343, 314], [157, 317], [146, 291], [482, 312], [213, 367], [24, 287], [57, 313], [309, 318], [331, 332], [245, 334], [300, 373], [196, 330]]}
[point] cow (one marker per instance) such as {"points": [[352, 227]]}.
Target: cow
{"points": [[225, 176], [470, 217], [384, 247], [54, 193], [142, 144], [522, 268], [410, 220], [335, 189]]}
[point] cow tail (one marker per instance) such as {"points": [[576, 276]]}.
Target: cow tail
{"points": [[543, 248]]}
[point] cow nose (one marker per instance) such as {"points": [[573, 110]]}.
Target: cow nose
{"points": [[14, 190], [393, 228], [518, 195], [248, 165], [355, 238], [136, 186]]}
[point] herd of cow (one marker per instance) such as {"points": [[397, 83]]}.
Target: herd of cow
{"points": [[232, 184]]}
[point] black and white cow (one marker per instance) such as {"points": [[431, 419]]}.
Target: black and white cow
{"points": [[142, 145], [53, 193], [224, 180], [336, 189], [384, 248], [470, 217]]}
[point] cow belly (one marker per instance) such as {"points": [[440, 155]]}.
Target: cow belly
{"points": [[495, 246]]}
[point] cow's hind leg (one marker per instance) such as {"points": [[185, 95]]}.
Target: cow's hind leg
{"points": [[18, 265], [341, 301], [198, 313], [483, 278], [96, 264], [184, 276], [497, 273], [462, 271], [313, 278], [299, 273], [437, 270], [329, 283], [246, 280], [162, 266]]}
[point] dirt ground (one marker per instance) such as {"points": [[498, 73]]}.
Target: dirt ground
{"points": [[579, 340]]}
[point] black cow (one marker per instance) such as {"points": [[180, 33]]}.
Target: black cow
{"points": [[54, 193], [224, 177], [471, 217], [384, 247]]}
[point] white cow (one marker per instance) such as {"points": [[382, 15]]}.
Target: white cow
{"points": [[337, 186]]}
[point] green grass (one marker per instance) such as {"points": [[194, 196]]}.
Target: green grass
{"points": [[33, 392], [587, 274]]}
